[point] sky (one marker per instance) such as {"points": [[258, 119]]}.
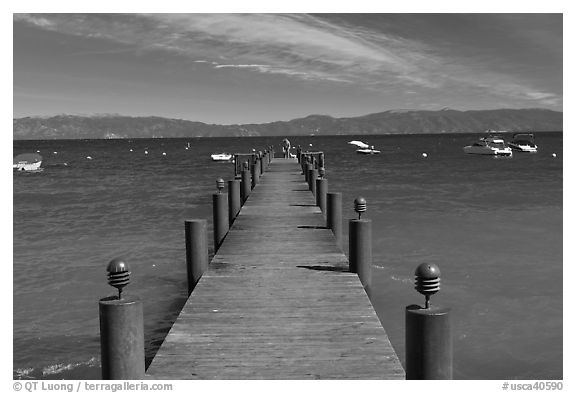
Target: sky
{"points": [[256, 68]]}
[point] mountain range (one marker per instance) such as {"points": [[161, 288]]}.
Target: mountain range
{"points": [[389, 122]]}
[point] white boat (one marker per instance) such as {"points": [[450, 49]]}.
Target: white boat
{"points": [[491, 145], [360, 144], [27, 162], [523, 142], [221, 157], [369, 150]]}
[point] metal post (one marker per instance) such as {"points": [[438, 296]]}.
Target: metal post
{"points": [[196, 235], [236, 165], [312, 176], [233, 200], [307, 169], [220, 218], [428, 343], [245, 187], [360, 250], [334, 215], [255, 174], [122, 338], [321, 190]]}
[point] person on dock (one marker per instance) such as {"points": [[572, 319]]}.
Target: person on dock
{"points": [[286, 147]]}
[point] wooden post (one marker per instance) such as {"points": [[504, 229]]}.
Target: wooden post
{"points": [[220, 218], [360, 250], [262, 167], [245, 187], [196, 235], [428, 343], [321, 190], [121, 338], [233, 200], [334, 215]]}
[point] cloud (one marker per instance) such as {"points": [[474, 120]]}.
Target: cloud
{"points": [[297, 46], [257, 66]]}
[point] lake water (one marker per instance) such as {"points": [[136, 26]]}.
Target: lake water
{"points": [[492, 225]]}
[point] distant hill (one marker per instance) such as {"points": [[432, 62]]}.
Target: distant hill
{"points": [[389, 122]]}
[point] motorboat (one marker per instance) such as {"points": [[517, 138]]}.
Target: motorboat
{"points": [[523, 142], [364, 148], [369, 150], [221, 157], [27, 162], [491, 145], [360, 144]]}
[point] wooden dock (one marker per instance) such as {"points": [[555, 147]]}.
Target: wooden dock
{"points": [[277, 301]]}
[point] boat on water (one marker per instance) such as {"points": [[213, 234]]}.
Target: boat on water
{"points": [[364, 148], [360, 144], [493, 145], [221, 157], [369, 150], [29, 162], [523, 142]]}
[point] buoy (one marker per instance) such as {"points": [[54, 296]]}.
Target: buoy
{"points": [[88, 157], [163, 153], [145, 151], [553, 154], [424, 155], [37, 151], [55, 152], [131, 150], [310, 145]]}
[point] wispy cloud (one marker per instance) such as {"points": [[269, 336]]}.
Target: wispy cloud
{"points": [[298, 46], [257, 66]]}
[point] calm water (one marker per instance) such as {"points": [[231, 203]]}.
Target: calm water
{"points": [[493, 225]]}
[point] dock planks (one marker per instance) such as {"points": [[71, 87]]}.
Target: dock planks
{"points": [[277, 301]]}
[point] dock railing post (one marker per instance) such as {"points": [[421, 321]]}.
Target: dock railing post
{"points": [[360, 245], [261, 159], [245, 185], [334, 215], [236, 165], [255, 171], [220, 215], [307, 168], [321, 190], [233, 200], [312, 176], [428, 331], [196, 235], [121, 329]]}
